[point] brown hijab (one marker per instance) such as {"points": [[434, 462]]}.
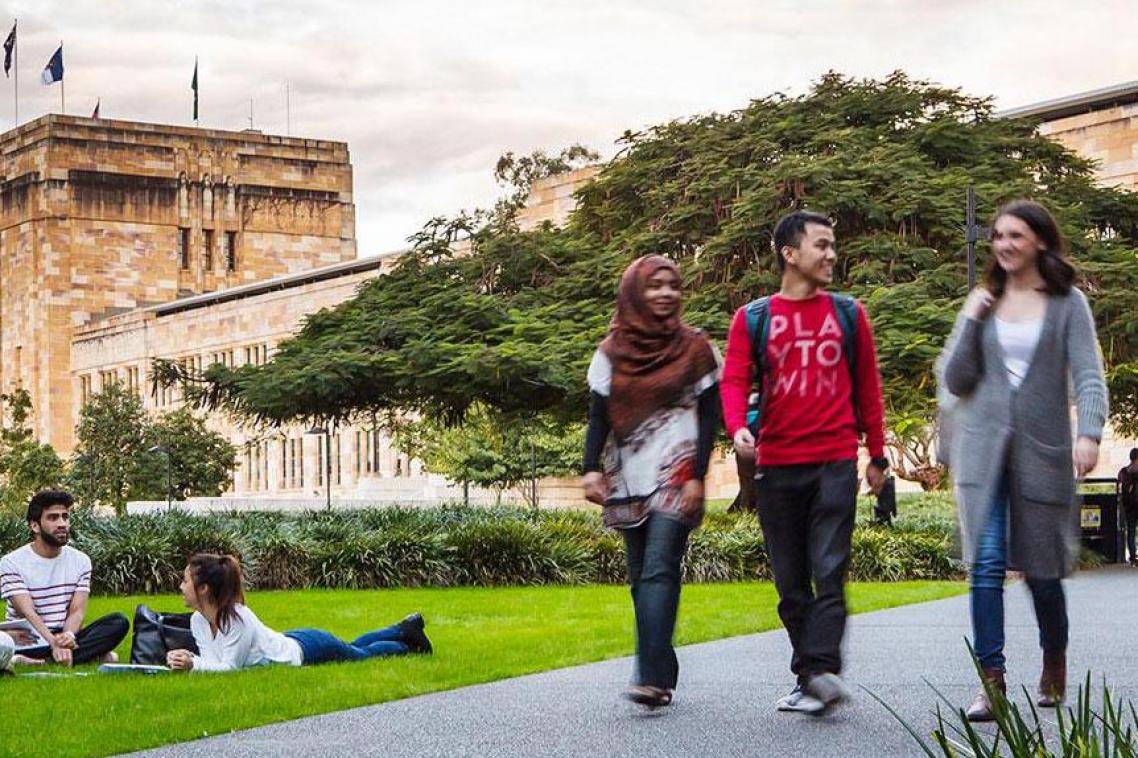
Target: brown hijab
{"points": [[654, 360]]}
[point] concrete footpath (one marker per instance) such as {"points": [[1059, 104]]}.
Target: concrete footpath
{"points": [[724, 704]]}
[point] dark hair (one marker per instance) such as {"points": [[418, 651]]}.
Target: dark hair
{"points": [[45, 499], [1057, 272], [789, 230], [1134, 453], [222, 574]]}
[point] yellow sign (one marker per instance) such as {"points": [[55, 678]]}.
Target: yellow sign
{"points": [[1091, 518]]}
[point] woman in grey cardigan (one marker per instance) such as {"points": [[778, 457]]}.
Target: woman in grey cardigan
{"points": [[1011, 452]]}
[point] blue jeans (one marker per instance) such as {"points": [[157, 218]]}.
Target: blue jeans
{"points": [[319, 646], [987, 591], [655, 553]]}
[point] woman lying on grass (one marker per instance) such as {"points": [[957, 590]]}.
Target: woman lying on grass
{"points": [[229, 635]]}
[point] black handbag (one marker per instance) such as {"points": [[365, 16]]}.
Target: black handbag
{"points": [[155, 634]]}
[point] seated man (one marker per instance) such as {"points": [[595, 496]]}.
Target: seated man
{"points": [[47, 583]]}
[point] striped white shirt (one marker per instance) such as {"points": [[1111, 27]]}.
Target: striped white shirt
{"points": [[51, 582]]}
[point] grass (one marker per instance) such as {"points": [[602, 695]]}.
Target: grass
{"points": [[480, 635]]}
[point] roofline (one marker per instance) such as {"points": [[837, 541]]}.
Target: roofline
{"points": [[252, 136], [1073, 105], [277, 284]]}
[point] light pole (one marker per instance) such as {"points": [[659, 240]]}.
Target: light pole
{"points": [[169, 479], [327, 432]]}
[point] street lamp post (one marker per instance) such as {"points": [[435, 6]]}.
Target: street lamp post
{"points": [[327, 432], [169, 476]]}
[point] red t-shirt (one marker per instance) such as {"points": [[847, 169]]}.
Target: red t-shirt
{"points": [[808, 416]]}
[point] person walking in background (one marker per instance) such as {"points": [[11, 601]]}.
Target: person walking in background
{"points": [[1128, 500], [810, 355], [653, 419], [1017, 340]]}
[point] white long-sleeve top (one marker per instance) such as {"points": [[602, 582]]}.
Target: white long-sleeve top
{"points": [[247, 642]]}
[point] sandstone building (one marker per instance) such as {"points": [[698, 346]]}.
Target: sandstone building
{"points": [[99, 217]]}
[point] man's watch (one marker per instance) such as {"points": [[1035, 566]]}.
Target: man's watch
{"points": [[881, 462]]}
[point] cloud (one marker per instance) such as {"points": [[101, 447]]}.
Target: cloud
{"points": [[428, 94]]}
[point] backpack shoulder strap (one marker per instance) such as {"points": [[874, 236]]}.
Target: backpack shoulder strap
{"points": [[758, 329], [846, 308]]}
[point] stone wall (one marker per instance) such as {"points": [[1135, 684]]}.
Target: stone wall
{"points": [[1108, 136]]}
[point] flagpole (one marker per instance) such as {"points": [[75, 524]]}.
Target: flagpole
{"points": [[288, 114], [62, 96], [16, 61]]}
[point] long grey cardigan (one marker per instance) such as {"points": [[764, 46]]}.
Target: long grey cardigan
{"points": [[1025, 432]]}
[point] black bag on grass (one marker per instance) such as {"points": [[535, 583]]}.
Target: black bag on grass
{"points": [[156, 633]]}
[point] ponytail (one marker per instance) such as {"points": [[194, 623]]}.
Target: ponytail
{"points": [[222, 575]]}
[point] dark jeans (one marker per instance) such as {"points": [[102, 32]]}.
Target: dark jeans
{"points": [[92, 642], [319, 646], [655, 552], [1131, 513], [987, 592], [807, 515]]}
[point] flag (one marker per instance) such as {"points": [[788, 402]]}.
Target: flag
{"points": [[9, 46], [194, 87], [95, 114], [53, 71]]}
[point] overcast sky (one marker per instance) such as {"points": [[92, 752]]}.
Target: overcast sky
{"points": [[428, 93]]}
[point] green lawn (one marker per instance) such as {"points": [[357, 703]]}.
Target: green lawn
{"points": [[480, 634]]}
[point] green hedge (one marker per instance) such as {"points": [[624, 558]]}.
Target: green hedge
{"points": [[448, 546]]}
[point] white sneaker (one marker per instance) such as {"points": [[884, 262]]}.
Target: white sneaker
{"points": [[828, 688], [802, 702]]}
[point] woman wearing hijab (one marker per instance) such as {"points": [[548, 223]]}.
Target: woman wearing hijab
{"points": [[1023, 347], [653, 418]]}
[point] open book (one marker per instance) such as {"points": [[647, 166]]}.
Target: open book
{"points": [[23, 634]]}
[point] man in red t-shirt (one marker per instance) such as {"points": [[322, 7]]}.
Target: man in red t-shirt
{"points": [[813, 409]]}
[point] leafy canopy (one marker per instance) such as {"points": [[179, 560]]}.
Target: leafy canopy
{"points": [[509, 318]]}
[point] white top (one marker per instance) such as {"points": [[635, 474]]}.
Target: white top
{"points": [[52, 582], [1018, 340], [247, 642], [659, 450]]}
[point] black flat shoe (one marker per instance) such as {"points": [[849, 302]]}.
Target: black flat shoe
{"points": [[648, 696]]}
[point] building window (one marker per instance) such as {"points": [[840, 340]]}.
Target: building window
{"points": [[336, 478], [84, 390], [207, 249], [248, 466], [184, 248], [107, 378], [292, 463], [231, 251]]}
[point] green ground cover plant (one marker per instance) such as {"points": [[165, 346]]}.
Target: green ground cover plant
{"points": [[458, 546], [480, 635]]}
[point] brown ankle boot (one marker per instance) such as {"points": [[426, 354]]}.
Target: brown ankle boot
{"points": [[1053, 680], [981, 707]]}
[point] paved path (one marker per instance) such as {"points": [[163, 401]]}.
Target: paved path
{"points": [[727, 688]]}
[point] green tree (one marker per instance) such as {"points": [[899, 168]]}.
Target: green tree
{"points": [[111, 452], [115, 459], [201, 460], [511, 321], [26, 466], [492, 451]]}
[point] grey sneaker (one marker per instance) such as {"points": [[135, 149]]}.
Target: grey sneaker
{"points": [[802, 702], [828, 688]]}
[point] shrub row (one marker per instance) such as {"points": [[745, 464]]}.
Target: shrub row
{"points": [[446, 546]]}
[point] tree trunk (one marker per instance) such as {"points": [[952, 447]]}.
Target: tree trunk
{"points": [[745, 500]]}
